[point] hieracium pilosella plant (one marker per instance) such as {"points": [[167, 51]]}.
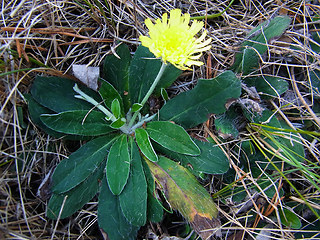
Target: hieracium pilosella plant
{"points": [[129, 155]]}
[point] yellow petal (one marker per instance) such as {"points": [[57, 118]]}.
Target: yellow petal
{"points": [[174, 40]]}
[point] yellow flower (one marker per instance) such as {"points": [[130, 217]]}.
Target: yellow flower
{"points": [[174, 40]]}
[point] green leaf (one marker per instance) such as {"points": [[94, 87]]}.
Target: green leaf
{"points": [[136, 107], [315, 81], [193, 107], [35, 111], [247, 59], [212, 159], [115, 108], [290, 219], [186, 195], [133, 199], [225, 124], [115, 71], [75, 198], [172, 137], [20, 115], [259, 164], [118, 165], [110, 216], [57, 94], [293, 142], [154, 207], [71, 171], [268, 187], [77, 122], [164, 94], [109, 94], [269, 86], [118, 123], [143, 71], [144, 144], [316, 38]]}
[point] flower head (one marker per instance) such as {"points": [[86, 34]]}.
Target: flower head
{"points": [[174, 40]]}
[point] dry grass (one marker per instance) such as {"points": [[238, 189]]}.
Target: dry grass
{"points": [[47, 37]]}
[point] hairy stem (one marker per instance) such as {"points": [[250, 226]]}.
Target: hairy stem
{"points": [[150, 91], [89, 99]]}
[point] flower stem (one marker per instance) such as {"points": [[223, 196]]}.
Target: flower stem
{"points": [[154, 84], [150, 91]]}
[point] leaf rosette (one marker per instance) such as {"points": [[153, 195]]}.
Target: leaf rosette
{"points": [[123, 157]]}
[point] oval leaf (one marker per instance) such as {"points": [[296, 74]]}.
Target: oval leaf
{"points": [[164, 95], [136, 107], [72, 171], [133, 199], [144, 144], [154, 206], [315, 81], [290, 219], [212, 159], [269, 86], [118, 165], [118, 123], [186, 195], [109, 94], [78, 122], [115, 71], [193, 107], [172, 137], [76, 197], [225, 123], [115, 108], [35, 111], [110, 216], [57, 94], [247, 60]]}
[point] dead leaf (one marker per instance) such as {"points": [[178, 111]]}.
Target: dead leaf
{"points": [[88, 75], [185, 194]]}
